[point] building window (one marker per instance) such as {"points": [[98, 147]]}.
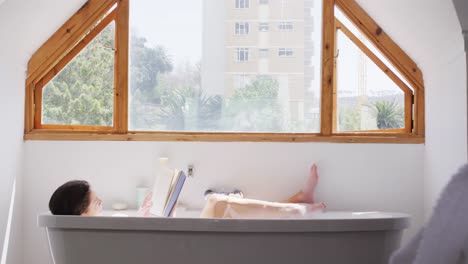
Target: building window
{"points": [[263, 2], [242, 28], [263, 53], [285, 52], [263, 27], [242, 54], [242, 3], [241, 81], [285, 26]]}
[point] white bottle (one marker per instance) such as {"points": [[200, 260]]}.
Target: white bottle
{"points": [[162, 186]]}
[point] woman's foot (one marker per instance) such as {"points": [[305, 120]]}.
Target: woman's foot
{"points": [[308, 191], [316, 207], [307, 194]]}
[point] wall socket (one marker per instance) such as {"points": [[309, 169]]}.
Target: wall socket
{"points": [[190, 170]]}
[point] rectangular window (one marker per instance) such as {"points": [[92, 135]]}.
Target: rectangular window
{"points": [[263, 27], [242, 54], [263, 2], [242, 3], [285, 52], [263, 53], [241, 81], [286, 26], [242, 28]]}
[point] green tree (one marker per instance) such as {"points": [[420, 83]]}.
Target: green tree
{"points": [[255, 107], [82, 93], [147, 65], [349, 119], [388, 114], [185, 106], [189, 109]]}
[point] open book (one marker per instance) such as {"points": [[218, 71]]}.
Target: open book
{"points": [[166, 191]]}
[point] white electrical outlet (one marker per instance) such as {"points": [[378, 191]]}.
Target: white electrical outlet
{"points": [[190, 171]]}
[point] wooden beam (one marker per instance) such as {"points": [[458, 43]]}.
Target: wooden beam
{"points": [[328, 64], [383, 42], [68, 128], [335, 113], [29, 108], [38, 105], [122, 67], [409, 112], [419, 115], [373, 57], [66, 37], [78, 48], [225, 137]]}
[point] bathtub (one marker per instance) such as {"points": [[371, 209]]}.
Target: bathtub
{"points": [[323, 238]]}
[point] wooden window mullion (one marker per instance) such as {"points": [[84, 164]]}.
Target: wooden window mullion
{"points": [[419, 109], [38, 104], [328, 64], [408, 112], [121, 67]]}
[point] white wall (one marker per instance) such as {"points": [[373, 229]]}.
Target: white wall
{"points": [[446, 102], [24, 25], [461, 7], [429, 31], [11, 145], [353, 176]]}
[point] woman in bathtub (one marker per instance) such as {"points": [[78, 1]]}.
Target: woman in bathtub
{"points": [[77, 198]]}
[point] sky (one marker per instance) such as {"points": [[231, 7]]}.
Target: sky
{"points": [[174, 24], [177, 25]]}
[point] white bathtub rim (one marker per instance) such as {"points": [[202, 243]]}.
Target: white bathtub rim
{"points": [[380, 221]]}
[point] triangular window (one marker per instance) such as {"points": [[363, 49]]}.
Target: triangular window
{"points": [[369, 93], [81, 95]]}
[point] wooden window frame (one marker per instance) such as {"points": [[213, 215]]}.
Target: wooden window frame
{"points": [[408, 93], [91, 19], [39, 87]]}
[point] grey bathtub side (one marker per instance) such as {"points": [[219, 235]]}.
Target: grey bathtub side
{"points": [[396, 222]]}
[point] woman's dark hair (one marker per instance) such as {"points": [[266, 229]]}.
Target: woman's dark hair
{"points": [[72, 198]]}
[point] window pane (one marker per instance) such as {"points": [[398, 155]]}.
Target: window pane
{"points": [[207, 66], [83, 92], [367, 99], [355, 30]]}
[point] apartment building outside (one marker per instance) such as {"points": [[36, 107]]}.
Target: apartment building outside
{"points": [[280, 39]]}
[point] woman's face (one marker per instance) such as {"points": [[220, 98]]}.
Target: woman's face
{"points": [[95, 205]]}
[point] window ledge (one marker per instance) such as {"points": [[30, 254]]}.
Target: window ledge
{"points": [[224, 137]]}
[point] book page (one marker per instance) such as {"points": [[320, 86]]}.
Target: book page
{"points": [[161, 190]]}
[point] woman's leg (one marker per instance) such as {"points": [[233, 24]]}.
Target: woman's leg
{"points": [[223, 206], [209, 209], [307, 194]]}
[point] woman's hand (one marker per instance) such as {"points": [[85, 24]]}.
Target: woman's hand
{"points": [[146, 206]]}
